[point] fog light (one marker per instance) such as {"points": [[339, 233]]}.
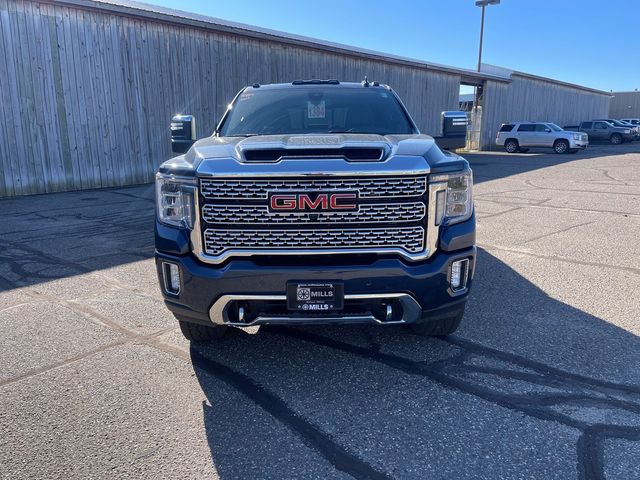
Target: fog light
{"points": [[171, 277], [459, 274]]}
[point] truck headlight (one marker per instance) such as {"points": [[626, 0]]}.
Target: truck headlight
{"points": [[174, 200], [627, 131], [455, 204], [577, 136]]}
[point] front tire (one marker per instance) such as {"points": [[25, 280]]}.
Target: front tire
{"points": [[438, 328], [615, 139], [561, 146], [511, 146], [197, 333]]}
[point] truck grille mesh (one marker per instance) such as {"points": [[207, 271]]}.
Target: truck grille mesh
{"points": [[377, 187], [259, 214], [236, 220], [410, 239]]}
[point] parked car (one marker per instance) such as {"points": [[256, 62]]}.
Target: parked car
{"points": [[634, 127], [632, 121], [621, 123], [520, 136], [605, 130]]}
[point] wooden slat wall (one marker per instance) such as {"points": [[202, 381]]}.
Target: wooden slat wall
{"points": [[625, 105], [527, 99], [86, 96]]}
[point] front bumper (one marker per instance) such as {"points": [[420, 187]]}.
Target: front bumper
{"points": [[582, 144], [420, 291]]}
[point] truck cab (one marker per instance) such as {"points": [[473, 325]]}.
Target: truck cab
{"points": [[635, 130], [314, 202], [604, 130]]}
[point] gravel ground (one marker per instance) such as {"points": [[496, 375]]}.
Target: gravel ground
{"points": [[542, 380]]}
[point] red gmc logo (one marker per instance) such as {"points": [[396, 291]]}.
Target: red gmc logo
{"points": [[300, 202]]}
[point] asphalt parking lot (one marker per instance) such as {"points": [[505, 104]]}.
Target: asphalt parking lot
{"points": [[541, 381]]}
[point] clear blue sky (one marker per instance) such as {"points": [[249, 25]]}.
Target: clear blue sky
{"points": [[590, 42]]}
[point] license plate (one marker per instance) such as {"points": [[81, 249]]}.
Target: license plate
{"points": [[315, 297]]}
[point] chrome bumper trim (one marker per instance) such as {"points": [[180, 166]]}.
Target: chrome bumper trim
{"points": [[412, 311]]}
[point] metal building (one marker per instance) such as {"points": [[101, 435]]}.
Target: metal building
{"points": [[87, 88], [625, 105]]}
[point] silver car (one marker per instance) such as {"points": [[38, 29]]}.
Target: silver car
{"points": [[633, 121], [520, 136]]}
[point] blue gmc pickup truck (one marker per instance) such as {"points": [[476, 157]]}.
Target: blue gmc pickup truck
{"points": [[314, 202]]}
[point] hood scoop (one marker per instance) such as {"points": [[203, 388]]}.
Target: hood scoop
{"points": [[353, 148], [353, 154]]}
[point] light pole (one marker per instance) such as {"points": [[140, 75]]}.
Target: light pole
{"points": [[483, 4], [473, 140]]}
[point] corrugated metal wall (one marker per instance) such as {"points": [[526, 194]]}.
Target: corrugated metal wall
{"points": [[625, 105], [536, 100], [86, 96]]}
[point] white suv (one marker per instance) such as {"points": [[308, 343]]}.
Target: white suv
{"points": [[520, 136]]}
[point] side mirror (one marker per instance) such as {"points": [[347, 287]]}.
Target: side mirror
{"points": [[183, 133], [548, 130], [454, 130]]}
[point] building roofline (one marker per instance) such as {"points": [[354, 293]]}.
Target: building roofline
{"points": [[510, 73], [177, 17]]}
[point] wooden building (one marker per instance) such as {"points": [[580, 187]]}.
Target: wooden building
{"points": [[537, 99], [88, 88]]}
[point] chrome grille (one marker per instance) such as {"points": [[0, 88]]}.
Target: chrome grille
{"points": [[235, 218], [374, 187], [259, 214], [410, 239]]}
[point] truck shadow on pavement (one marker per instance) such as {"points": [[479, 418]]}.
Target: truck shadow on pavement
{"points": [[383, 403]]}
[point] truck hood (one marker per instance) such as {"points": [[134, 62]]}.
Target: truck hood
{"points": [[208, 152], [621, 129]]}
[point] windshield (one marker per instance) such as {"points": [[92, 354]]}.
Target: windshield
{"points": [[316, 109], [554, 127]]}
